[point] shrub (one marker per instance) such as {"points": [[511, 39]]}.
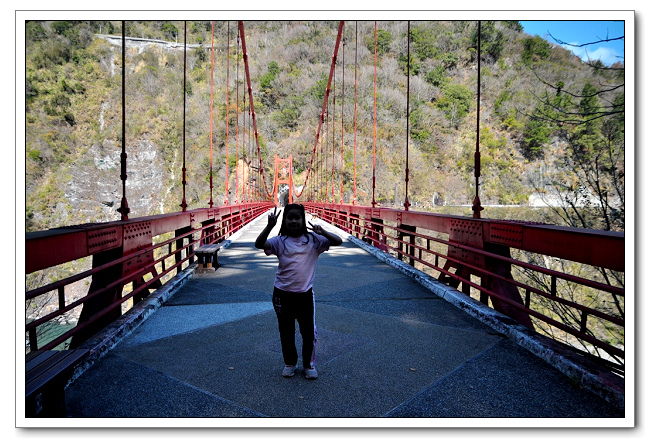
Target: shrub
{"points": [[513, 25], [436, 77], [412, 67], [269, 76], [171, 32], [535, 49], [511, 123], [384, 39], [34, 154], [536, 135], [492, 40], [60, 27], [34, 31], [424, 43], [456, 98], [319, 89], [419, 129], [448, 60]]}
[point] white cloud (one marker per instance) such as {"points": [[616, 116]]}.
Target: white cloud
{"points": [[607, 55]]}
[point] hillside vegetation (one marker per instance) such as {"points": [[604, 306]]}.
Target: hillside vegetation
{"points": [[550, 124]]}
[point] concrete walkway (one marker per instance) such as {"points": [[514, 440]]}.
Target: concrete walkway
{"points": [[387, 347]]}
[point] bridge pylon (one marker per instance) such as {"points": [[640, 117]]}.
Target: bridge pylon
{"points": [[283, 175]]}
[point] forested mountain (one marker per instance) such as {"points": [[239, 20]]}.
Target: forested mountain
{"points": [[551, 126]]}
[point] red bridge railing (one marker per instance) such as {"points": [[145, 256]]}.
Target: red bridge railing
{"points": [[504, 262], [125, 255]]}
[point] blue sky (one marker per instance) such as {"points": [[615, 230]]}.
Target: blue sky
{"points": [[580, 32]]}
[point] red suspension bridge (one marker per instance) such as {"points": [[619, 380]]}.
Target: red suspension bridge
{"points": [[135, 257]]}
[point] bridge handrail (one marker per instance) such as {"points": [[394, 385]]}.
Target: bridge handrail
{"points": [[73, 243], [563, 275], [544, 239], [390, 230], [373, 224], [132, 276], [579, 280], [51, 248], [104, 311]]}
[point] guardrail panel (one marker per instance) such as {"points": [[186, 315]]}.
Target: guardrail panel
{"points": [[480, 248]]}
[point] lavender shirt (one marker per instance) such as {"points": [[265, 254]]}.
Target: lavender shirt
{"points": [[297, 260]]}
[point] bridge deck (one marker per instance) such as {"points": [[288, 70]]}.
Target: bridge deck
{"points": [[387, 347]]}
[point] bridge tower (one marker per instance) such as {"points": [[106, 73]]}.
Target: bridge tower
{"points": [[283, 175]]}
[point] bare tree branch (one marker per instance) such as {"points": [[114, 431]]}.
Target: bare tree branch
{"points": [[584, 45], [575, 95]]}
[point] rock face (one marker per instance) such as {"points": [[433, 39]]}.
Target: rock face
{"points": [[95, 190], [92, 186]]}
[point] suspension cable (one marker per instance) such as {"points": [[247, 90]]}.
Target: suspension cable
{"points": [[325, 100], [326, 145], [354, 189], [252, 153], [333, 129], [342, 111], [249, 185], [245, 187], [253, 186], [320, 167], [321, 179], [124, 206], [250, 94], [408, 91], [211, 110], [227, 194], [237, 132], [249, 190], [257, 177], [374, 132], [184, 203], [476, 206]]}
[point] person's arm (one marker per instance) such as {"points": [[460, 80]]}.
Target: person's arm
{"points": [[261, 242], [333, 238]]}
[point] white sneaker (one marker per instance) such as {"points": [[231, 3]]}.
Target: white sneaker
{"points": [[288, 371], [311, 374]]}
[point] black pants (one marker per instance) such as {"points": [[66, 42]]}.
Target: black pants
{"points": [[289, 307]]}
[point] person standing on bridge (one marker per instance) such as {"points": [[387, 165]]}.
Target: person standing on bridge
{"points": [[297, 250]]}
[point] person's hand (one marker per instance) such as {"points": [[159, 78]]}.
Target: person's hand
{"points": [[273, 218], [316, 228]]}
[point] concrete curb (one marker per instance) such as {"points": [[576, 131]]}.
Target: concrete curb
{"points": [[104, 341], [583, 372]]}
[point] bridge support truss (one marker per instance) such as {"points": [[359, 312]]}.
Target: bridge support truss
{"points": [[283, 176]]}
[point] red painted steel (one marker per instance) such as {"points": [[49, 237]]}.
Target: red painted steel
{"points": [[324, 108], [127, 246], [252, 107], [237, 132], [226, 200], [594, 247], [480, 248], [396, 231], [283, 176]]}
